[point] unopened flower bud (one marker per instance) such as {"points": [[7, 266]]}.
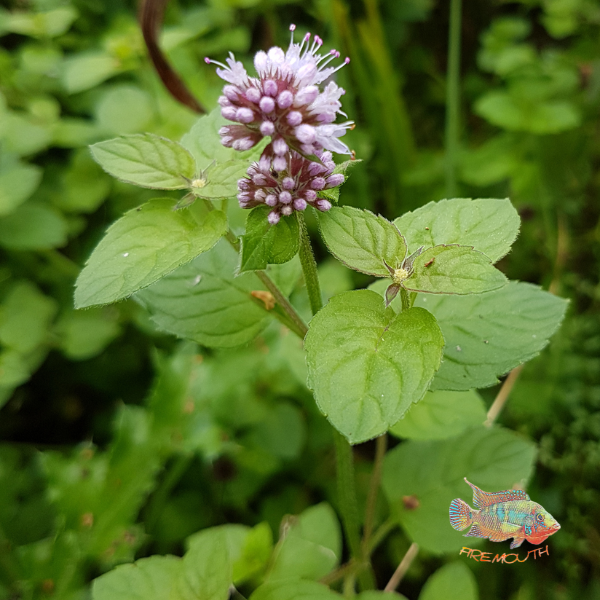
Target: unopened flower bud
{"points": [[267, 104], [285, 99]]}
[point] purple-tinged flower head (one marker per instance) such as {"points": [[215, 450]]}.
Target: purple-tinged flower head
{"points": [[284, 101], [290, 188]]}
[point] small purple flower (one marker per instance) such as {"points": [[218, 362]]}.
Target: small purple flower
{"points": [[291, 188], [284, 101]]}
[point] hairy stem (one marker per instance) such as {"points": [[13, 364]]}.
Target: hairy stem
{"points": [[309, 268], [381, 446], [343, 451], [406, 304], [453, 98], [404, 565], [349, 508]]}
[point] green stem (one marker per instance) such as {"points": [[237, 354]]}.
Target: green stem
{"points": [[309, 268], [381, 445], [343, 451], [406, 304], [453, 98], [346, 491], [380, 534], [299, 326], [160, 497], [291, 319]]}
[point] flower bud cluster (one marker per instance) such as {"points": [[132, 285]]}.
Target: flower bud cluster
{"points": [[292, 187], [284, 102]]}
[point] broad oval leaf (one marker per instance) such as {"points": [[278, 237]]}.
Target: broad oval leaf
{"points": [[362, 241], [367, 365], [454, 581], [294, 589], [441, 415], [207, 569], [146, 160], [144, 245], [489, 334], [265, 244], [431, 474], [453, 270], [205, 302], [312, 546], [489, 225], [146, 579]]}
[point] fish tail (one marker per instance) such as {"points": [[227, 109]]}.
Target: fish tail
{"points": [[461, 514]]}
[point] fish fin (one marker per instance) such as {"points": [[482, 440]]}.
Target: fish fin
{"points": [[516, 542], [482, 499], [498, 536], [461, 514], [475, 532]]}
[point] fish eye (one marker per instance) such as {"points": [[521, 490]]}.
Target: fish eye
{"points": [[540, 517]]}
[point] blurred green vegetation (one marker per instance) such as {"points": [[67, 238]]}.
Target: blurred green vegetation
{"points": [[117, 441]]}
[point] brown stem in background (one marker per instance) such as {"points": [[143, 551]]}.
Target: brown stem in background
{"points": [[502, 396], [151, 17], [404, 565]]}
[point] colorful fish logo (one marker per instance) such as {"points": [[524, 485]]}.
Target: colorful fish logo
{"points": [[503, 515]]}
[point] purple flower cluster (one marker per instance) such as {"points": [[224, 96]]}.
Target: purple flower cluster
{"points": [[284, 101], [290, 188], [286, 104]]}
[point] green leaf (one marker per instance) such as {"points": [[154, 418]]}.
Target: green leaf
{"points": [[33, 226], [441, 415], [124, 109], [203, 301], [294, 589], [43, 24], [14, 369], [24, 318], [453, 270], [220, 181], [87, 70], [374, 595], [312, 546], [367, 365], [84, 334], [454, 581], [490, 226], [255, 553], [204, 143], [144, 245], [361, 240], [552, 116], [490, 334], [146, 579], [265, 244], [208, 564], [432, 472], [17, 182], [146, 160]]}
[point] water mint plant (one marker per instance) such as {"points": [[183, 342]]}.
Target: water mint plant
{"points": [[438, 320]]}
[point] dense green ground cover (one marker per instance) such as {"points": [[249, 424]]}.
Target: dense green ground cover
{"points": [[118, 442]]}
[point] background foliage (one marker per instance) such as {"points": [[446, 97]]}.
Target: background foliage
{"points": [[119, 442]]}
